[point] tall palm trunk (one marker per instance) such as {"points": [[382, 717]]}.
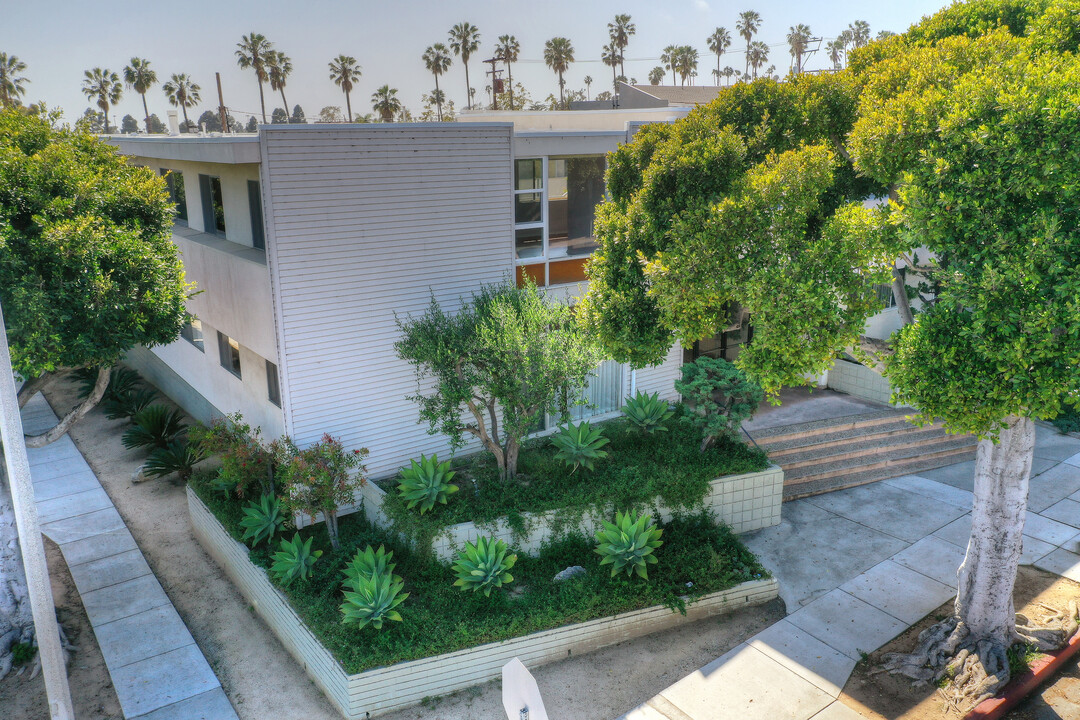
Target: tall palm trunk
{"points": [[438, 97], [717, 69], [348, 104], [105, 108], [262, 102], [614, 80], [184, 108], [468, 88], [562, 101], [146, 113], [288, 117], [747, 68], [510, 79]]}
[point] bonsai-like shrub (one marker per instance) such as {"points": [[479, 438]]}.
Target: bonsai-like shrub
{"points": [[155, 426], [373, 601], [509, 356], [628, 544], [484, 566], [427, 482], [319, 478], [722, 395], [294, 560], [579, 445], [245, 460], [647, 412], [262, 520]]}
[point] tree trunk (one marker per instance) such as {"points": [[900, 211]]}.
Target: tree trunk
{"points": [[35, 385], [903, 304], [288, 116], [984, 600], [512, 450], [146, 113], [510, 79], [468, 89], [330, 516], [262, 102], [438, 100], [348, 104], [54, 433], [16, 618]]}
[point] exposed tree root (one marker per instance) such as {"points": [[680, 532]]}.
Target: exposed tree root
{"points": [[7, 660], [969, 670]]}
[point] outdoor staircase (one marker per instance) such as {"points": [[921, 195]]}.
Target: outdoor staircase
{"points": [[826, 455]]}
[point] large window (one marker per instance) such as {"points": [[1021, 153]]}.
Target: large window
{"points": [[603, 395], [229, 354], [193, 333], [174, 181], [555, 201], [258, 237], [213, 204]]}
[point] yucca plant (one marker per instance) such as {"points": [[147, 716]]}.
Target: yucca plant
{"points": [[262, 520], [367, 564], [427, 482], [628, 544], [373, 601], [154, 426], [579, 445], [176, 457], [484, 566], [294, 560], [647, 412], [128, 403]]}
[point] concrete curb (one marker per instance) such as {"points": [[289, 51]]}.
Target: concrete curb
{"points": [[1040, 671]]}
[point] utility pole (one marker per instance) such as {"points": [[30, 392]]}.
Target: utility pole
{"points": [[496, 82], [221, 105]]}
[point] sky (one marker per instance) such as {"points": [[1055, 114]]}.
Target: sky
{"points": [[60, 39]]}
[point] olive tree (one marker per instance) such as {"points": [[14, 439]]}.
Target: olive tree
{"points": [[87, 271], [508, 357]]}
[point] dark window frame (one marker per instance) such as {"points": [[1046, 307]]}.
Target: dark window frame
{"points": [[229, 354], [189, 330], [258, 232], [210, 209], [179, 199], [273, 386]]}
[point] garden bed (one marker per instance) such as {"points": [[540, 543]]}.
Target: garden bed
{"points": [[450, 639]]}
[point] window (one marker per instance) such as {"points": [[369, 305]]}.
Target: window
{"points": [[885, 295], [273, 390], [174, 181], [229, 353], [555, 201], [213, 204], [258, 238], [193, 333], [604, 394]]}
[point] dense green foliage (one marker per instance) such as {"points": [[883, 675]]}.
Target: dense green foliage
{"points": [[127, 403], [373, 600], [246, 461], [368, 563], [580, 445], [154, 426], [87, 268], [484, 565], [262, 520], [294, 561], [440, 618], [722, 396], [427, 482], [177, 457], [508, 352], [628, 544], [647, 412]]}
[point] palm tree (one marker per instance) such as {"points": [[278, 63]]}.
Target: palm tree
{"points": [[558, 54], [859, 33], [464, 41], [104, 87], [719, 42], [836, 52], [729, 72], [141, 78], [182, 93], [620, 30], [884, 34], [749, 22], [588, 86], [345, 72], [253, 51], [385, 102], [610, 57], [798, 38], [758, 55], [437, 60], [279, 67], [686, 60], [11, 84], [656, 75], [507, 50], [670, 58]]}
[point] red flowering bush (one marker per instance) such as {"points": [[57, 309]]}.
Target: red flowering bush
{"points": [[245, 459]]}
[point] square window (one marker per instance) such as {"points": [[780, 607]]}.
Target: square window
{"points": [[229, 354], [193, 333], [528, 208], [529, 242], [529, 174], [273, 389]]}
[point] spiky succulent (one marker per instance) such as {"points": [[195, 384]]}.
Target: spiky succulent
{"points": [[367, 564], [484, 566], [373, 600], [294, 560], [426, 482], [628, 544], [176, 457], [154, 426], [647, 412], [579, 445], [262, 520], [128, 403]]}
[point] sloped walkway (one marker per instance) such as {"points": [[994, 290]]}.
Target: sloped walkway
{"points": [[158, 671], [856, 568]]}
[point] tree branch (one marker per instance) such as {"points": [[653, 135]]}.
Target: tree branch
{"points": [[874, 350], [54, 433], [899, 291], [34, 385]]}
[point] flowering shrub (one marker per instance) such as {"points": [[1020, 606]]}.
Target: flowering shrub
{"points": [[245, 459], [319, 478]]}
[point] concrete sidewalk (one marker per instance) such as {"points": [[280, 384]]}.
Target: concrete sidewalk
{"points": [[858, 567], [158, 671]]}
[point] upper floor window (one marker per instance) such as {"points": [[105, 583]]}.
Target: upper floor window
{"points": [[174, 181], [258, 237], [273, 389], [229, 354], [213, 204], [193, 333]]}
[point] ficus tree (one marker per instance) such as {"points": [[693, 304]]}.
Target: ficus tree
{"points": [[87, 271], [498, 365]]}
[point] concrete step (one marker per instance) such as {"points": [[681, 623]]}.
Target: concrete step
{"points": [[811, 455], [862, 477], [946, 449], [873, 433], [815, 428]]}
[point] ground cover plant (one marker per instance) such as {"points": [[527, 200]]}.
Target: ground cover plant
{"points": [[438, 617]]}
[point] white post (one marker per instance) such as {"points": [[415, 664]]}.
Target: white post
{"points": [[33, 551]]}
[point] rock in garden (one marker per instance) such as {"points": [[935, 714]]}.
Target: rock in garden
{"points": [[570, 572], [138, 476]]}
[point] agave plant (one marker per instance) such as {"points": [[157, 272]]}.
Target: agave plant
{"points": [[647, 412], [427, 482], [262, 520], [294, 560], [628, 544], [176, 457], [154, 426], [367, 564], [484, 566], [128, 403], [373, 600], [579, 445]]}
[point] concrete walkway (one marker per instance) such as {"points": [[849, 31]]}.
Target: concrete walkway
{"points": [[158, 671], [857, 568]]}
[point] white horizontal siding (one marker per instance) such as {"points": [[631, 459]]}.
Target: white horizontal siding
{"points": [[661, 378], [365, 223]]}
